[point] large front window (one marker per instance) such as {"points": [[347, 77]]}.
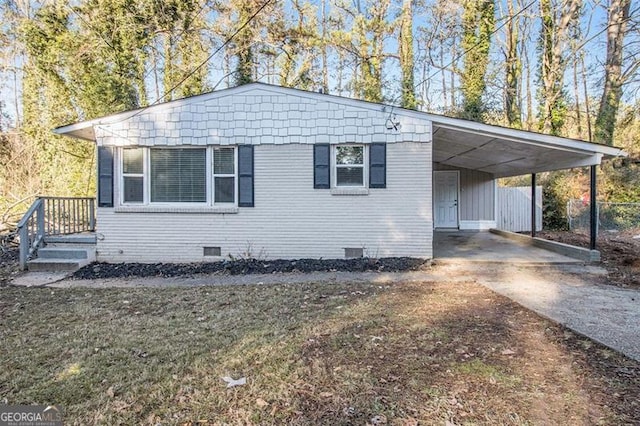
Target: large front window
{"points": [[194, 175], [178, 175], [349, 163]]}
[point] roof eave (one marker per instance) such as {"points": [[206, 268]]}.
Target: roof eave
{"points": [[526, 136]]}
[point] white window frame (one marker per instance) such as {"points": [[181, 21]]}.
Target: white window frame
{"points": [[144, 177], [335, 166], [213, 176]]}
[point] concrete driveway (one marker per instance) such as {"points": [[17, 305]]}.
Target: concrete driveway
{"points": [[473, 246], [572, 295]]}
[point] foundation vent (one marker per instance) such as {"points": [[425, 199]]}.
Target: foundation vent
{"points": [[352, 253], [212, 251]]}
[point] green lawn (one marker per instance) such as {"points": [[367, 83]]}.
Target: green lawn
{"points": [[400, 354]]}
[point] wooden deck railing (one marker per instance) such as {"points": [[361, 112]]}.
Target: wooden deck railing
{"points": [[54, 216]]}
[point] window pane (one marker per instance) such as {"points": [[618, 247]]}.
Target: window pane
{"points": [[349, 154], [178, 175], [224, 189], [223, 161], [350, 176], [132, 161], [133, 189]]}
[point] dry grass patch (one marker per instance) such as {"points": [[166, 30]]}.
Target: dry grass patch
{"points": [[334, 354]]}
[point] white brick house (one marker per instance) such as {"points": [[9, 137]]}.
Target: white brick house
{"points": [[284, 173]]}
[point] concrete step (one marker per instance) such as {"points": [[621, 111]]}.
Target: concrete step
{"points": [[84, 239], [55, 265], [71, 253]]}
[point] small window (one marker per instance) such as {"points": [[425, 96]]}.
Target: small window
{"points": [[224, 175], [178, 175], [349, 162], [133, 175]]}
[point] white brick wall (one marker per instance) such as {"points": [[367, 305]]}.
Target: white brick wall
{"points": [[259, 114], [290, 218]]}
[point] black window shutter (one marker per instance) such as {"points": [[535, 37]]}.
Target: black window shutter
{"points": [[105, 176], [321, 166], [378, 165], [245, 176]]}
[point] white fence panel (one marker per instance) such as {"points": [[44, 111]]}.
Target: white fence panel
{"points": [[514, 208]]}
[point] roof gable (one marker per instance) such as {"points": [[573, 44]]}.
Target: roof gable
{"points": [[255, 114]]}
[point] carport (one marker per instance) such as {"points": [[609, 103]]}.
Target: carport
{"points": [[502, 152]]}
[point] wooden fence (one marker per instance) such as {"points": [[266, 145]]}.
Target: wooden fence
{"points": [[514, 208]]}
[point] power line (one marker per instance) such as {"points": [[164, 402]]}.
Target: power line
{"points": [[202, 64]]}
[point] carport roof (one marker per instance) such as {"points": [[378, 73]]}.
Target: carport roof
{"points": [[497, 150], [506, 152]]}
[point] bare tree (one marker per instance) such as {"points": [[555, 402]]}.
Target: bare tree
{"points": [[618, 16], [553, 43], [405, 47]]}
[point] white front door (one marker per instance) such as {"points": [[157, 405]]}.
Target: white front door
{"points": [[445, 194]]}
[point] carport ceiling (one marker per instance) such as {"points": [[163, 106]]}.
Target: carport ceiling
{"points": [[506, 152]]}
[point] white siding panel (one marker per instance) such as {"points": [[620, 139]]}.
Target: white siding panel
{"points": [[290, 218]]}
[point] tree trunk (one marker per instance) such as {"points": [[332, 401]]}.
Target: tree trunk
{"points": [[405, 47], [553, 38], [444, 78], [576, 97], [244, 44], [587, 107], [513, 67], [478, 23], [613, 80], [324, 46]]}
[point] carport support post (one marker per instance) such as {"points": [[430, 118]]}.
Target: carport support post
{"points": [[594, 209], [533, 205]]}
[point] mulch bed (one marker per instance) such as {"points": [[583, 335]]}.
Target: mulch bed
{"points": [[249, 266]]}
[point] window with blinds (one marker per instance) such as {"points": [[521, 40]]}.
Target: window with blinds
{"points": [[178, 175]]}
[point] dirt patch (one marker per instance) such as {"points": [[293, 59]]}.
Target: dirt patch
{"points": [[249, 266], [620, 253], [9, 259], [400, 354]]}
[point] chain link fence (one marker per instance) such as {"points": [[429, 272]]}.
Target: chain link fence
{"points": [[611, 216]]}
